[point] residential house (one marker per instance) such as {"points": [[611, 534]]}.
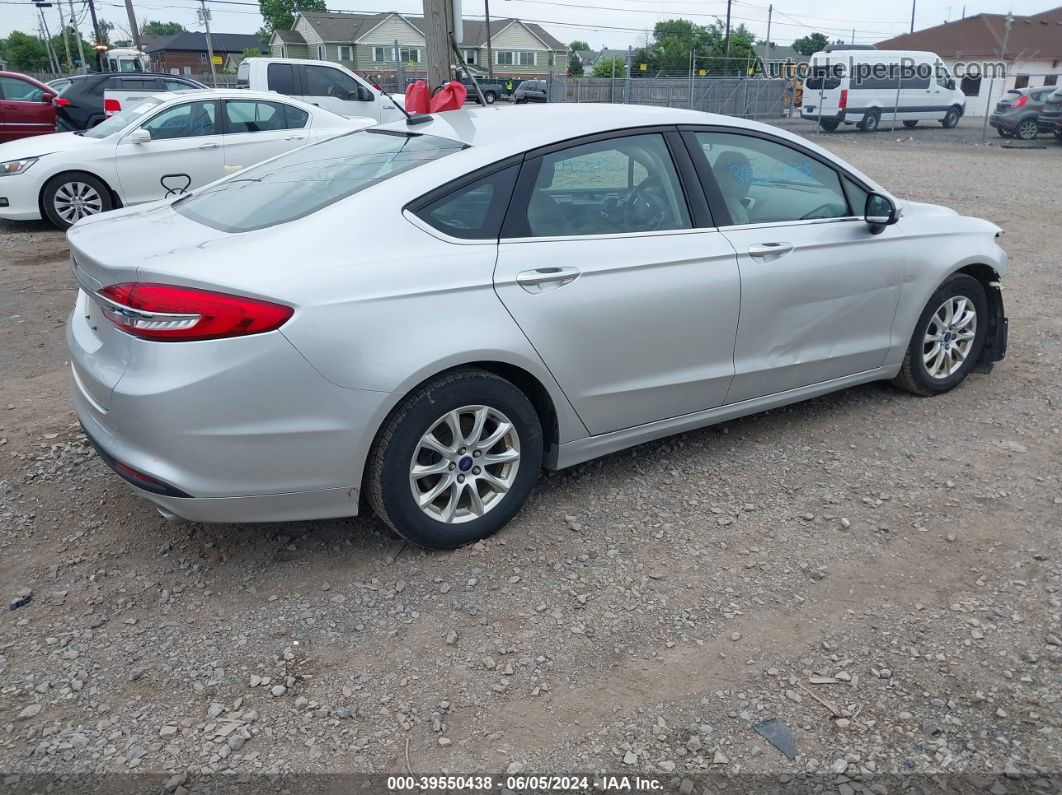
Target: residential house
{"points": [[365, 43], [774, 55], [186, 53], [1033, 54]]}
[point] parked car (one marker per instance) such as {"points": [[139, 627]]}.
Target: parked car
{"points": [[1051, 114], [864, 86], [491, 90], [531, 91], [329, 85], [25, 107], [163, 147], [1017, 114], [428, 314], [81, 103]]}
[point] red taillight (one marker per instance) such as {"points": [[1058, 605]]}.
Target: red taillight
{"points": [[111, 106], [61, 102], [1021, 101], [844, 99], [135, 474], [165, 313]]}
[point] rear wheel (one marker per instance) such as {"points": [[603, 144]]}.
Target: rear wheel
{"points": [[1026, 129], [947, 339], [490, 97], [829, 125], [67, 198], [951, 118], [456, 460], [911, 124], [870, 122]]}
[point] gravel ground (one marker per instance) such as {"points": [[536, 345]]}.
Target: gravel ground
{"points": [[879, 572]]}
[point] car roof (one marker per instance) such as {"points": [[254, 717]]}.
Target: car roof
{"points": [[509, 131]]}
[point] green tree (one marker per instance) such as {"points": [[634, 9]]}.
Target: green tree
{"points": [[810, 44], [71, 39], [155, 27], [578, 44], [280, 14], [605, 67], [25, 53]]}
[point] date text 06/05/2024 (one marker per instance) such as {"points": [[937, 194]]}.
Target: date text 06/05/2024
{"points": [[524, 783]]}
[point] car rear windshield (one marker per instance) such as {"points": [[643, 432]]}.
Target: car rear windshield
{"points": [[823, 78], [119, 121], [305, 180]]}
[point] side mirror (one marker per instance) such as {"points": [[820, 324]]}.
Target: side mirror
{"points": [[363, 95], [47, 97], [139, 136], [951, 84], [879, 212]]}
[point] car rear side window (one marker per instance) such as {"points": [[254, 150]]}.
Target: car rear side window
{"points": [[248, 116], [306, 180], [473, 211], [281, 78]]}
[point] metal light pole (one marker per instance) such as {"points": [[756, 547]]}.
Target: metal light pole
{"points": [[66, 41], [490, 52], [204, 16], [913, 3], [77, 33]]}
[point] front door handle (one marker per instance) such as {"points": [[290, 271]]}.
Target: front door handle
{"points": [[208, 146], [770, 251], [540, 279], [295, 138]]}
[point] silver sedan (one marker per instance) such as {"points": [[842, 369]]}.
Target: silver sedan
{"points": [[428, 314]]}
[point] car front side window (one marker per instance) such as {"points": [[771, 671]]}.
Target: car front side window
{"points": [[323, 81], [14, 90], [188, 120], [764, 181], [620, 185]]}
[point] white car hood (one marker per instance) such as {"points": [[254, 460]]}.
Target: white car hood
{"points": [[38, 145]]}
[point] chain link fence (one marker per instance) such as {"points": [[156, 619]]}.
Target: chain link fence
{"points": [[747, 97]]}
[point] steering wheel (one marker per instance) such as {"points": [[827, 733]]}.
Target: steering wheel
{"points": [[645, 208]]}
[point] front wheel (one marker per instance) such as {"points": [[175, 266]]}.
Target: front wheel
{"points": [[70, 197], [490, 97], [456, 460], [951, 118], [870, 122], [948, 338]]}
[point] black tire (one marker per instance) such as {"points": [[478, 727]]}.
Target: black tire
{"points": [[388, 471], [490, 97], [829, 125], [913, 375], [69, 179], [871, 120], [951, 118], [910, 124], [1026, 130], [1002, 132]]}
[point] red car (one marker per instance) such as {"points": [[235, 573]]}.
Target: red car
{"points": [[25, 107]]}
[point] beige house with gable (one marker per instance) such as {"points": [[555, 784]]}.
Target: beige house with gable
{"points": [[365, 43]]}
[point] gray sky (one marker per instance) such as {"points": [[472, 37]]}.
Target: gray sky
{"points": [[612, 23]]}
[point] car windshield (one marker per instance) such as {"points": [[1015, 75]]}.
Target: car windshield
{"points": [[119, 121], [305, 180]]}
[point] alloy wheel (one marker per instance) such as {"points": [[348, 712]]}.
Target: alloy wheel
{"points": [[1027, 129], [465, 464], [76, 200], [949, 336]]}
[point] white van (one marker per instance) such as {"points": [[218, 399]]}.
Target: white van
{"points": [[866, 87], [328, 85]]}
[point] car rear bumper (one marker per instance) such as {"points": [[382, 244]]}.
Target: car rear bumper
{"points": [[239, 430]]}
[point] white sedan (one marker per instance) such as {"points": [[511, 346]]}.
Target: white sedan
{"points": [[163, 147]]}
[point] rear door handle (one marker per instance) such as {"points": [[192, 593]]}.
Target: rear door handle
{"points": [[770, 251], [540, 279], [208, 146], [295, 138]]}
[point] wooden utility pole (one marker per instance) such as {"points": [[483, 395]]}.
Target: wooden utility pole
{"points": [[66, 41], [437, 27], [204, 14], [726, 35], [77, 35], [132, 24]]}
